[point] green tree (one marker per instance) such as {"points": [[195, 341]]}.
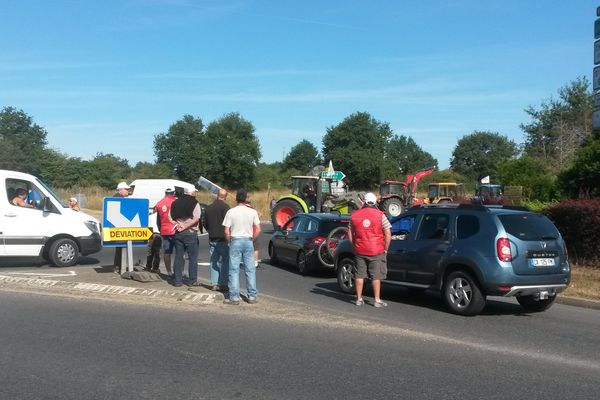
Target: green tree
{"points": [[559, 127], [269, 174], [22, 141], [404, 156], [183, 148], [476, 155], [357, 147], [532, 174], [232, 151], [106, 170], [146, 170], [583, 178], [61, 171], [302, 156]]}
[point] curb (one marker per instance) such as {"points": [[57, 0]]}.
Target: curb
{"points": [[578, 302], [180, 296]]}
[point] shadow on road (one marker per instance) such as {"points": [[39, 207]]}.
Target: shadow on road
{"points": [[418, 298]]}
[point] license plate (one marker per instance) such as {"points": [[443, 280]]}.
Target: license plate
{"points": [[541, 262]]}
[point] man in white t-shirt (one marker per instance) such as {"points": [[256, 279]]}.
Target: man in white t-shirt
{"points": [[241, 227]]}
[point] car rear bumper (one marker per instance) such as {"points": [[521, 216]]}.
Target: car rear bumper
{"points": [[535, 289]]}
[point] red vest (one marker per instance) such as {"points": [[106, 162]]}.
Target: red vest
{"points": [[163, 208], [368, 232]]}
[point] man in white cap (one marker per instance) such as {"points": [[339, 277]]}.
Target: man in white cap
{"points": [[370, 234], [122, 190]]}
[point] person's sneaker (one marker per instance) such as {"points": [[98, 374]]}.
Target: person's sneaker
{"points": [[359, 302], [222, 289], [231, 302], [195, 283], [252, 300], [177, 284], [379, 303]]}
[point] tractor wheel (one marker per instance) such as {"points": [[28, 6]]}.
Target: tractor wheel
{"points": [[393, 207], [283, 211]]}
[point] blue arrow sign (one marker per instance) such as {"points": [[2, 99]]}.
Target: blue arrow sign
{"points": [[124, 212]]}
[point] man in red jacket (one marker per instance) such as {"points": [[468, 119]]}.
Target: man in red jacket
{"points": [[165, 225], [370, 234]]}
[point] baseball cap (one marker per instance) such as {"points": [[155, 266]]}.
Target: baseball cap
{"points": [[170, 189], [73, 199], [122, 185], [370, 198], [190, 190]]}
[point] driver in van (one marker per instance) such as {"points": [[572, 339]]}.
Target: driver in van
{"points": [[19, 198]]}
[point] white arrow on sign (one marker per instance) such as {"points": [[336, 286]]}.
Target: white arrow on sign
{"points": [[118, 220]]}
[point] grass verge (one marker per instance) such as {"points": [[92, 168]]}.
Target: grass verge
{"points": [[585, 282]]}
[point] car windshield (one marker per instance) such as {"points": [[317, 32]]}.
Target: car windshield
{"points": [[529, 226]]}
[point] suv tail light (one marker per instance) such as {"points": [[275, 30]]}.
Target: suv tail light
{"points": [[503, 249]]}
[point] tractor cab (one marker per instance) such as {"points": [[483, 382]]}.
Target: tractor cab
{"points": [[445, 192], [307, 188], [392, 188]]}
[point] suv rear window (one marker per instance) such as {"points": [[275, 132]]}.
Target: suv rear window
{"points": [[529, 226]]}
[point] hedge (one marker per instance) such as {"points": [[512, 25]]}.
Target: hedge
{"points": [[579, 223]]}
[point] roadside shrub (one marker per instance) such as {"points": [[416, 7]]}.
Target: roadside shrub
{"points": [[539, 206], [579, 223]]}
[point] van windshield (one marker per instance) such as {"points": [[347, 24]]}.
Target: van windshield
{"points": [[53, 193]]}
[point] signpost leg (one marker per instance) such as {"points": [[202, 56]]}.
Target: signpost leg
{"points": [[129, 256]]}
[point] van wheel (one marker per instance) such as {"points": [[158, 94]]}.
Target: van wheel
{"points": [[530, 304], [462, 294], [63, 253]]}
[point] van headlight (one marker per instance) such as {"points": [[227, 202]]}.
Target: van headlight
{"points": [[92, 226]]}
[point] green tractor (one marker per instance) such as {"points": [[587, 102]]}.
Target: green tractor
{"points": [[314, 194]]}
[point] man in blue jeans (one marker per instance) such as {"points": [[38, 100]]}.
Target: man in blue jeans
{"points": [[219, 249], [242, 226], [185, 214]]}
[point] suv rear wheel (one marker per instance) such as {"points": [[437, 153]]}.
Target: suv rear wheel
{"points": [[462, 294], [530, 304]]}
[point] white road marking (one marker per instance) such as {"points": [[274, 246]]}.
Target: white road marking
{"points": [[70, 273]]}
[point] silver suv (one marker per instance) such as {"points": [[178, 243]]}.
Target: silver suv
{"points": [[468, 252]]}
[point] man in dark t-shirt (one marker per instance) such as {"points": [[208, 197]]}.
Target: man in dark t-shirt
{"points": [[219, 249]]}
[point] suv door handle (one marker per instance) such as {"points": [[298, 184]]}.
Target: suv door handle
{"points": [[10, 215]]}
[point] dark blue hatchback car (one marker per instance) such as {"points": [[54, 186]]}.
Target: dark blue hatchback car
{"points": [[301, 241], [468, 252]]}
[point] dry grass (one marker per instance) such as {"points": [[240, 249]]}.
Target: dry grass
{"points": [[585, 282], [94, 199]]}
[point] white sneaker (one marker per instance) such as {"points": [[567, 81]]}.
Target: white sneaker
{"points": [[359, 302], [379, 303]]}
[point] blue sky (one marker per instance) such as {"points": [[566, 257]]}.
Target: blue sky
{"points": [[106, 76]]}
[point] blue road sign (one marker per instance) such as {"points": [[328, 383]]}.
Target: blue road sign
{"points": [[124, 212]]}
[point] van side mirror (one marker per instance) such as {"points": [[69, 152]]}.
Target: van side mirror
{"points": [[46, 204]]}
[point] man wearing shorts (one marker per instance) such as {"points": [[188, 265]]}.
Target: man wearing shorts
{"points": [[370, 235], [165, 226]]}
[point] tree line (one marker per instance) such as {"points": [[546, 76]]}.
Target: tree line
{"points": [[559, 156]]}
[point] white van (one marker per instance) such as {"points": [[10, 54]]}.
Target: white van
{"points": [[45, 227], [154, 191]]}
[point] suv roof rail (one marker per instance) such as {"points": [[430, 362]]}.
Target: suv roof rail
{"points": [[519, 208]]}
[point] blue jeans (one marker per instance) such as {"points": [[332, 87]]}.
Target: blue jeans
{"points": [[219, 262], [186, 242], [241, 250]]}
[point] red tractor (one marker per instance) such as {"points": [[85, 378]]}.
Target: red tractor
{"points": [[395, 196]]}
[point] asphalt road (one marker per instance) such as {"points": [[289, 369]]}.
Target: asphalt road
{"points": [[61, 348], [311, 350]]}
